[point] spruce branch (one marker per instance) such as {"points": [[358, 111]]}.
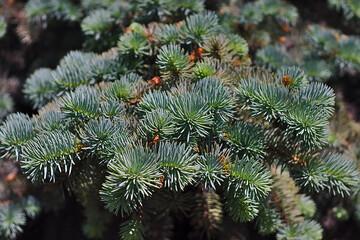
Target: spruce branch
{"points": [[270, 102], [97, 133], [123, 89], [293, 78], [49, 155], [134, 175], [155, 100], [158, 122], [308, 230], [178, 165], [82, 104], [132, 229], [323, 39], [211, 172], [6, 105], [16, 131], [207, 214], [248, 178], [40, 87], [172, 61], [167, 34], [238, 45], [307, 125], [68, 78], [319, 95], [241, 208], [285, 197], [267, 221], [218, 97], [349, 51], [272, 57], [333, 172], [246, 140], [249, 14], [97, 22], [78, 59], [50, 121], [192, 117], [11, 220], [112, 109], [197, 28], [133, 44]]}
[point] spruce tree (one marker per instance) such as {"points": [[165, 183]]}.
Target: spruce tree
{"points": [[166, 116]]}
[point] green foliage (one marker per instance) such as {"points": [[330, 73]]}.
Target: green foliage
{"points": [[124, 88], [197, 28], [211, 171], [155, 100], [298, 79], [134, 44], [207, 225], [53, 9], [269, 101], [267, 221], [322, 38], [40, 87], [307, 230], [49, 155], [272, 57], [98, 132], [220, 47], [340, 213], [158, 122], [285, 195], [30, 206], [3, 26], [6, 105], [97, 22], [307, 125], [217, 96], [172, 61], [116, 144], [69, 77], [203, 69], [82, 104], [192, 117], [307, 206], [153, 10], [132, 230], [50, 121], [350, 8], [246, 140], [134, 175], [248, 178], [13, 216], [340, 49], [253, 13], [16, 131], [333, 172], [250, 15], [348, 53], [238, 44], [11, 219], [167, 34], [178, 165], [317, 69], [174, 110], [241, 209], [187, 7]]}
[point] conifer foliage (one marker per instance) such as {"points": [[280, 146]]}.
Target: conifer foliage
{"points": [[171, 119]]}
